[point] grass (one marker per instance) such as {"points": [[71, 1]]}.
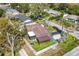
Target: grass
{"points": [[48, 16], [70, 43], [50, 28], [40, 22], [17, 53], [66, 24], [43, 45]]}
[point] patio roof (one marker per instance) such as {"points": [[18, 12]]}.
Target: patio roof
{"points": [[31, 33]]}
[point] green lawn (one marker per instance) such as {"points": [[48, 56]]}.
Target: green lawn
{"points": [[50, 28], [48, 16], [17, 53], [66, 24], [70, 43], [40, 22], [43, 45]]}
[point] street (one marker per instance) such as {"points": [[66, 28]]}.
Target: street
{"points": [[74, 33]]}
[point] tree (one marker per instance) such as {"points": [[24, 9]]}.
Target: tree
{"points": [[6, 27], [21, 7], [38, 9], [1, 12]]}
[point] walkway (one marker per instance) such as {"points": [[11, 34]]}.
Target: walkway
{"points": [[30, 51], [22, 52], [74, 52]]}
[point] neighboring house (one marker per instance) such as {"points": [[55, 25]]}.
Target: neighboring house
{"points": [[74, 18], [14, 14], [54, 12], [4, 6], [38, 31], [23, 18], [10, 13]]}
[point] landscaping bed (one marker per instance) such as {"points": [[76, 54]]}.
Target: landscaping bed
{"points": [[70, 43]]}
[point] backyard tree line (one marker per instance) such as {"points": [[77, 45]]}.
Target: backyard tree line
{"points": [[40, 8], [13, 31]]}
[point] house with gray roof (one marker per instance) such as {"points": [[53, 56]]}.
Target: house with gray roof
{"points": [[10, 13], [14, 14], [74, 18]]}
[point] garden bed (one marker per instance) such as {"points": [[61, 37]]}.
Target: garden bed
{"points": [[70, 43]]}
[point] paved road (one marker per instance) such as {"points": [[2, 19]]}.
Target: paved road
{"points": [[74, 33], [74, 52]]}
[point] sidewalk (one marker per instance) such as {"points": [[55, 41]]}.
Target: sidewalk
{"points": [[74, 52], [22, 52]]}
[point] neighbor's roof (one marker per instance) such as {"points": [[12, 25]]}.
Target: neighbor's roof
{"points": [[74, 17], [40, 32], [56, 35], [53, 12], [21, 17], [12, 10]]}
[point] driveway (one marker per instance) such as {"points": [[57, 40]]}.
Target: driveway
{"points": [[74, 52]]}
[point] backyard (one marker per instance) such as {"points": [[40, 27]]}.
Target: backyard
{"points": [[49, 28]]}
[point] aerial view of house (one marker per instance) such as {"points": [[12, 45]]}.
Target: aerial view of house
{"points": [[40, 32]]}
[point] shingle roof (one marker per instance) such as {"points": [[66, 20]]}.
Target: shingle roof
{"points": [[22, 17], [40, 32]]}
